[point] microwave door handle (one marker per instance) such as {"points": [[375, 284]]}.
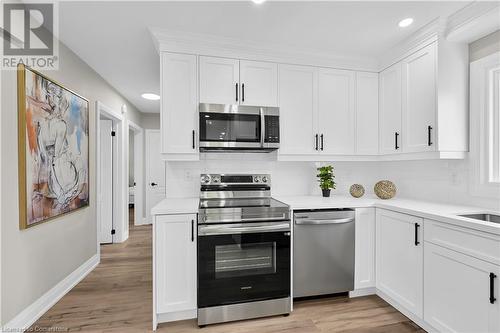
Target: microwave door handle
{"points": [[262, 126]]}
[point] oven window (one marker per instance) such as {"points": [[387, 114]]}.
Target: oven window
{"points": [[235, 260], [229, 127]]}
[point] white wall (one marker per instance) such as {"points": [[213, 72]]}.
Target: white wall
{"points": [[35, 260]]}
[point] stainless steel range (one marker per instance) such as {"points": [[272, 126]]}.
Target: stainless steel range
{"points": [[243, 249]]}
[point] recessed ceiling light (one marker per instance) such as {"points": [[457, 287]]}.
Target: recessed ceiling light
{"points": [[258, 2], [150, 96], [406, 22]]}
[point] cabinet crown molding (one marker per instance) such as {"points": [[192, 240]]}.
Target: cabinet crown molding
{"points": [[210, 45]]}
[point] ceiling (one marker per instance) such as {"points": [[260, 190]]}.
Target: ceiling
{"points": [[113, 37]]}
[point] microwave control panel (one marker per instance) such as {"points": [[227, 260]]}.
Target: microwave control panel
{"points": [[272, 129]]}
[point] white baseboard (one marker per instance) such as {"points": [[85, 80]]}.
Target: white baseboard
{"points": [[33, 312], [362, 292]]}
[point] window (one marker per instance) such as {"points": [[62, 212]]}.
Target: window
{"points": [[485, 125]]}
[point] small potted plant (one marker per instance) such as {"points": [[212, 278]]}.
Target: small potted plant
{"points": [[326, 179]]}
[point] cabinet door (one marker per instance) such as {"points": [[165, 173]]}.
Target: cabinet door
{"points": [[419, 100], [390, 110], [364, 273], [259, 83], [219, 80], [366, 113], [179, 104], [399, 251], [457, 292], [336, 111], [298, 109], [175, 262]]}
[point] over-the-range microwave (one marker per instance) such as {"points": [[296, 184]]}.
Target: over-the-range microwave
{"points": [[227, 127]]}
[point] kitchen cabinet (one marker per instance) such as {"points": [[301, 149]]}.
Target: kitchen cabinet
{"points": [[231, 81], [259, 83], [419, 100], [219, 80], [179, 106], [364, 271], [366, 113], [399, 260], [457, 291], [336, 118], [298, 109], [390, 110], [175, 266]]}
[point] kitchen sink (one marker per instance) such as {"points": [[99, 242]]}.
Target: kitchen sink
{"points": [[483, 217]]}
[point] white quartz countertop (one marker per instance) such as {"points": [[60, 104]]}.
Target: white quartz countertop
{"points": [[171, 206], [430, 210]]}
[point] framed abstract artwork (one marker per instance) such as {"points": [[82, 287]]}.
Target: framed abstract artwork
{"points": [[53, 130]]}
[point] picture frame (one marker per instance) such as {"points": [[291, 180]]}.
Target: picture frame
{"points": [[53, 149]]}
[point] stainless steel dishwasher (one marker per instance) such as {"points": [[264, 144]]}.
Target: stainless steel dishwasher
{"points": [[323, 254]]}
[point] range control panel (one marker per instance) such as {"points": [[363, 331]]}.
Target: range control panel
{"points": [[231, 179]]}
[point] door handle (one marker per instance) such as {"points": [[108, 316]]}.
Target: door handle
{"points": [[192, 230], [492, 288], [242, 92], [429, 139], [194, 137], [153, 184], [322, 136], [236, 92], [316, 138], [416, 234], [396, 135]]}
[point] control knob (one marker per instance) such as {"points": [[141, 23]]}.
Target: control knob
{"points": [[205, 179]]}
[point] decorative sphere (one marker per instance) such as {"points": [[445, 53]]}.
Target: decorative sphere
{"points": [[357, 190], [385, 189]]}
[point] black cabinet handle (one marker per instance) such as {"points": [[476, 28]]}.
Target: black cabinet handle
{"points": [[429, 135], [396, 135], [321, 136], [242, 92], [192, 230], [416, 234], [194, 137], [316, 136], [236, 92], [492, 288]]}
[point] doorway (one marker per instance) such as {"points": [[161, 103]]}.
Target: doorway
{"points": [[135, 174], [155, 172]]}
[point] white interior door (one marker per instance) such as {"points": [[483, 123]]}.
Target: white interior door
{"points": [[106, 184], [155, 172]]}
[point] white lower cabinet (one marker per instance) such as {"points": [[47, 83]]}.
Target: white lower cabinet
{"points": [[399, 260], [457, 292], [175, 267], [364, 273]]}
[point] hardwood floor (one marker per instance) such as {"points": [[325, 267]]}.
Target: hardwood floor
{"points": [[117, 297]]}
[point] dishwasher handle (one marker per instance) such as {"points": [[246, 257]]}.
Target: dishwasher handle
{"points": [[323, 221]]}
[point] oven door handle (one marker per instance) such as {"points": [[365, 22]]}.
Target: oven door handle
{"points": [[325, 221], [227, 229], [243, 219]]}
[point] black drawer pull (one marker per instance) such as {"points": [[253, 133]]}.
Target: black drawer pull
{"points": [[192, 230], [492, 288], [416, 234], [396, 135], [429, 136]]}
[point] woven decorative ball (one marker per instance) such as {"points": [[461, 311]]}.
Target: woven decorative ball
{"points": [[357, 190], [385, 189]]}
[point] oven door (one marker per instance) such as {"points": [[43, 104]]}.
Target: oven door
{"points": [[230, 130], [236, 264]]}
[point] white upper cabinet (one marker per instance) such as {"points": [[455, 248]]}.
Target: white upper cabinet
{"points": [[231, 81], [336, 118], [390, 110], [179, 106], [419, 100], [298, 109], [367, 113], [219, 80], [399, 259], [259, 83]]}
